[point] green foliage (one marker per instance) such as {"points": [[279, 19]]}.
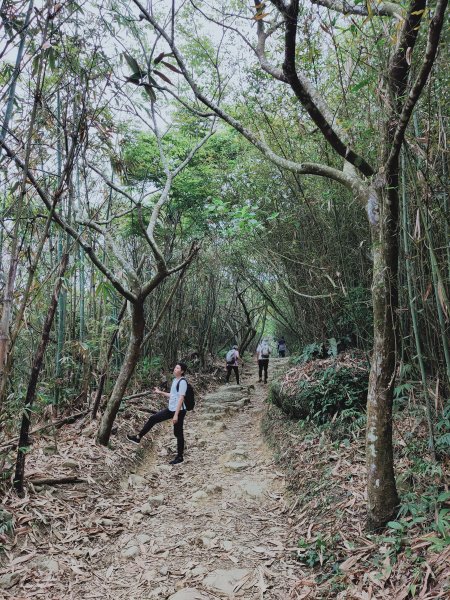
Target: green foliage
{"points": [[354, 315], [332, 390], [443, 431], [309, 352], [427, 511], [149, 367], [315, 552]]}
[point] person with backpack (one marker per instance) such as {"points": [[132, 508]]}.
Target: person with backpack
{"points": [[232, 359], [281, 348], [263, 354], [181, 398]]}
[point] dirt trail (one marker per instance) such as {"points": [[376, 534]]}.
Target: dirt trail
{"points": [[215, 526]]}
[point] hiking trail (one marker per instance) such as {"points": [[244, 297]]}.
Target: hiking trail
{"points": [[213, 527]]}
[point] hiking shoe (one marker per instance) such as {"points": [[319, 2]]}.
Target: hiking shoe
{"points": [[177, 460], [259, 380], [133, 438]]}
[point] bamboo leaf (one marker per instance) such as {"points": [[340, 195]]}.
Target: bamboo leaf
{"points": [[135, 78], [442, 302], [163, 77], [358, 86], [159, 58], [135, 68], [150, 92], [171, 67]]}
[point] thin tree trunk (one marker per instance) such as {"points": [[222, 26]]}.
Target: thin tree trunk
{"points": [[125, 373], [414, 317], [438, 280], [9, 287], [25, 297], [382, 497], [15, 75], [104, 373], [32, 383]]}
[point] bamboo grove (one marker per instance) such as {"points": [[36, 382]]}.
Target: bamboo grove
{"points": [[177, 177]]}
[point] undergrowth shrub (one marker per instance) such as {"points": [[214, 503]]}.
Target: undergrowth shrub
{"points": [[341, 390]]}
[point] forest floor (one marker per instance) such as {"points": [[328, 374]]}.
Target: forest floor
{"points": [[215, 526], [237, 519]]}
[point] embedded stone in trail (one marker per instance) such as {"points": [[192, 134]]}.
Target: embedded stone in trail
{"points": [[237, 465], [225, 581], [9, 580], [130, 552], [136, 481], [199, 495], [254, 489], [188, 594], [225, 394], [45, 563], [156, 500]]}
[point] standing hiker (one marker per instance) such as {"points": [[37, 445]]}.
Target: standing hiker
{"points": [[263, 354], [232, 359], [281, 347], [176, 411]]}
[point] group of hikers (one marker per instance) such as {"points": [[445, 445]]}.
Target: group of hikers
{"points": [[263, 352], [180, 397]]}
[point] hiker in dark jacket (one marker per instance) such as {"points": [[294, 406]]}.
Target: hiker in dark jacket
{"points": [[176, 411], [281, 348]]}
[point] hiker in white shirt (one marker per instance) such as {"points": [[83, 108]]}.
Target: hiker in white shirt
{"points": [[263, 354], [232, 359], [176, 410]]}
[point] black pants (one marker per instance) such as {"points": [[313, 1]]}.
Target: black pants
{"points": [[165, 415], [236, 372], [263, 364], [281, 353]]}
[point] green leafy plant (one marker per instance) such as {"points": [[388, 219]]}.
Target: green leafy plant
{"points": [[334, 390], [315, 552]]}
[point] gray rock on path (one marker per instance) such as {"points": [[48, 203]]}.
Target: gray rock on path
{"points": [[9, 580], [224, 581], [130, 552], [156, 500], [226, 394], [147, 509], [136, 481], [254, 489], [198, 496], [237, 465], [237, 454], [44, 563], [189, 594]]}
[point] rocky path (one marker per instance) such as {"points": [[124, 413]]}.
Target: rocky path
{"points": [[213, 527]]}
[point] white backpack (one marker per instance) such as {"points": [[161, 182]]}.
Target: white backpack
{"points": [[230, 355], [265, 350]]}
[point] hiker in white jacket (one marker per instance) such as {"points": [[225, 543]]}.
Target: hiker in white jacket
{"points": [[263, 354]]}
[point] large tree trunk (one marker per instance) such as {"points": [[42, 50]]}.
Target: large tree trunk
{"points": [[126, 371], [381, 489]]}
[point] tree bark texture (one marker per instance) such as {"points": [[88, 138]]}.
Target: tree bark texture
{"points": [[381, 489], [126, 371]]}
